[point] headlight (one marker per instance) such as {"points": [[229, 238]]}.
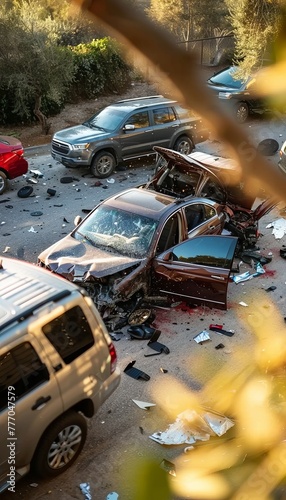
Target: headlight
{"points": [[81, 146], [224, 95]]}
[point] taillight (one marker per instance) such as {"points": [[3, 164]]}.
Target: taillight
{"points": [[113, 357], [19, 152]]}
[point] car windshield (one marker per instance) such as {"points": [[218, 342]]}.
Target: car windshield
{"points": [[118, 231], [108, 119], [227, 79]]}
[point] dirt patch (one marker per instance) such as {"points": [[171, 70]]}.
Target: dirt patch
{"points": [[74, 114]]}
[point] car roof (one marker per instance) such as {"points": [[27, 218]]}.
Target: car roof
{"points": [[149, 203], [25, 287], [142, 102]]}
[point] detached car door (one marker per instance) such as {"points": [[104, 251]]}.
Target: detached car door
{"points": [[196, 270]]}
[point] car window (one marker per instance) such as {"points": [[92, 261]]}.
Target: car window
{"points": [[195, 215], [169, 235], [108, 119], [22, 369], [205, 251], [163, 115], [139, 120], [70, 334]]}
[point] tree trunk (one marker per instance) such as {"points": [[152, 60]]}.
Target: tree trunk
{"points": [[41, 117]]}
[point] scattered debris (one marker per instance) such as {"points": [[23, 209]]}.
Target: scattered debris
{"points": [[139, 316], [190, 427], [243, 304], [163, 370], [247, 275], [268, 147], [219, 346], [142, 332], [270, 288], [32, 230], [6, 249], [135, 373], [68, 180], [112, 496], [202, 337], [283, 251], [51, 192], [111, 181], [156, 345], [218, 329], [168, 467], [85, 489], [279, 228], [25, 191], [142, 404], [37, 173], [36, 214]]}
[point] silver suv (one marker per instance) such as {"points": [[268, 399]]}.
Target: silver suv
{"points": [[127, 130], [57, 366]]}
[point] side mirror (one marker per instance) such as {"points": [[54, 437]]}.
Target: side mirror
{"points": [[77, 220], [168, 256], [128, 126]]}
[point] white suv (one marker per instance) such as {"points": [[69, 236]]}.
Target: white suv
{"points": [[57, 367]]}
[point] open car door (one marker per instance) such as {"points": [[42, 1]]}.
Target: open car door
{"points": [[197, 270]]}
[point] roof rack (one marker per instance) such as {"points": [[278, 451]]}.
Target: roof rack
{"points": [[142, 98]]}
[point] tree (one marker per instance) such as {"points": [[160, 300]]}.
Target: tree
{"points": [[32, 65], [255, 24], [189, 19]]}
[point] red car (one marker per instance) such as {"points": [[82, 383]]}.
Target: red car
{"points": [[12, 161]]}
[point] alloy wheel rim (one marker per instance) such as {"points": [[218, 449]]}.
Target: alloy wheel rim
{"points": [[104, 165], [64, 447]]}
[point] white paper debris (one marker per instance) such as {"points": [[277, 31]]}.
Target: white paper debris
{"points": [[190, 427], [279, 228], [112, 496], [6, 249], [32, 230], [243, 304], [142, 404], [202, 337]]}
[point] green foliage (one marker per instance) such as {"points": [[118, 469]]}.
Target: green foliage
{"points": [[189, 19], [100, 69], [256, 25]]}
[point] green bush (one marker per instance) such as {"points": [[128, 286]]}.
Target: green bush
{"points": [[99, 70]]}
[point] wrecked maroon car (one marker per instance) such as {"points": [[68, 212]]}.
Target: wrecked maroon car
{"points": [[140, 244], [215, 178]]}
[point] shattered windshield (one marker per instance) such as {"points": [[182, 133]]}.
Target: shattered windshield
{"points": [[115, 230]]}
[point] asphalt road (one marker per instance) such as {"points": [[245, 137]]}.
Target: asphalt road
{"points": [[119, 434]]}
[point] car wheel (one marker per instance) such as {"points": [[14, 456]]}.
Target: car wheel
{"points": [[60, 445], [103, 165], [184, 145], [3, 182], [242, 112]]}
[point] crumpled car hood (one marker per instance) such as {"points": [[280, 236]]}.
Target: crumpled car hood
{"points": [[76, 260]]}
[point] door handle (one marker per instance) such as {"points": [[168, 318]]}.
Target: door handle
{"points": [[41, 402], [211, 227], [175, 126], [217, 277]]}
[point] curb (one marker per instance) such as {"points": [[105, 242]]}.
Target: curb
{"points": [[34, 150]]}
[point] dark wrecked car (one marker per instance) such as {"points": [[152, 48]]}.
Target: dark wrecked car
{"points": [[216, 178], [140, 244]]}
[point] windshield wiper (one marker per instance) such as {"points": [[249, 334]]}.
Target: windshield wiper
{"points": [[91, 125]]}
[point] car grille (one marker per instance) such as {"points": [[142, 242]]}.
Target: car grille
{"points": [[60, 147]]}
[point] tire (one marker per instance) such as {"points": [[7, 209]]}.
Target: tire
{"points": [[184, 145], [52, 456], [3, 182], [103, 164], [241, 112]]}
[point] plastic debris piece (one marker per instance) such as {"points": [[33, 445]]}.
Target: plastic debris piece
{"points": [[37, 173], [34, 485], [51, 192], [217, 329], [247, 275], [6, 249], [163, 370], [36, 214], [168, 466], [111, 181], [270, 288], [85, 489], [190, 426], [202, 337], [143, 405], [112, 496], [243, 304], [32, 230], [135, 373], [157, 346], [219, 346]]}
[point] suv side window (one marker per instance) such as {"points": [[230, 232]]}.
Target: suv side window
{"points": [[139, 120], [163, 115], [70, 334], [21, 368]]}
